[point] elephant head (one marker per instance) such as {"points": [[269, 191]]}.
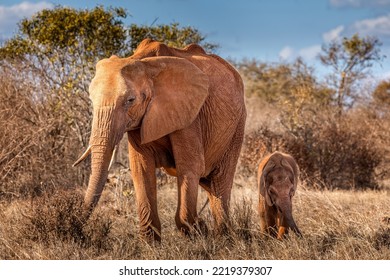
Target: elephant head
{"points": [[278, 178], [156, 95]]}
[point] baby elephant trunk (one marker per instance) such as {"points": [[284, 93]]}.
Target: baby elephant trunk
{"points": [[287, 221]]}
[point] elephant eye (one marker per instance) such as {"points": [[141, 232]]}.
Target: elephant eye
{"points": [[130, 100]]}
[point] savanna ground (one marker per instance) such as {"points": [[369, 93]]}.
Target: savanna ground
{"points": [[336, 225], [338, 130]]}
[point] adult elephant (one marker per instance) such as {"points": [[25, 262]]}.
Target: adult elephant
{"points": [[184, 111]]}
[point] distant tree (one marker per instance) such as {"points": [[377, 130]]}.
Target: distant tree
{"points": [[63, 44], [264, 80], [282, 82], [350, 61], [381, 101], [381, 94]]}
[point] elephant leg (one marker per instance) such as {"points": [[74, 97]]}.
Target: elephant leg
{"points": [[189, 160], [263, 215], [282, 227], [219, 196], [220, 213], [222, 180], [186, 215], [144, 178], [271, 221]]}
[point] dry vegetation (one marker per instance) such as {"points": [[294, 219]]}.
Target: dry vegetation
{"points": [[40, 206], [342, 204]]}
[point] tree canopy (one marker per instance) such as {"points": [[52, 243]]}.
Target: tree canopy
{"points": [[282, 82], [90, 34], [65, 43], [350, 61]]}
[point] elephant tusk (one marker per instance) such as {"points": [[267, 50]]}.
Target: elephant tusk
{"points": [[83, 156], [113, 157]]}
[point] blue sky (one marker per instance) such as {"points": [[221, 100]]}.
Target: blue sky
{"points": [[268, 30]]}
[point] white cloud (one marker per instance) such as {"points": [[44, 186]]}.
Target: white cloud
{"points": [[359, 3], [379, 26], [333, 34], [286, 53], [310, 53], [11, 15]]}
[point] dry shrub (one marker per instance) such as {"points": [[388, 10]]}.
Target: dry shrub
{"points": [[332, 152], [37, 143], [381, 238], [337, 153], [59, 218], [253, 149]]}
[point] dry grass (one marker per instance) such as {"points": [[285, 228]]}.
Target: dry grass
{"points": [[336, 225]]}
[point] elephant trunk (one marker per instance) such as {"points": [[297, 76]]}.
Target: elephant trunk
{"points": [[100, 160], [104, 137], [287, 220]]}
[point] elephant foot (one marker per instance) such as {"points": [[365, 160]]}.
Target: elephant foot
{"points": [[298, 232], [222, 228], [198, 228], [150, 235], [201, 227], [281, 232]]}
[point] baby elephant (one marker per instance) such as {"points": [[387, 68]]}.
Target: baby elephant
{"points": [[277, 181]]}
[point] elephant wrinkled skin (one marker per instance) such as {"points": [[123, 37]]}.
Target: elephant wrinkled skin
{"points": [[183, 110], [277, 178]]}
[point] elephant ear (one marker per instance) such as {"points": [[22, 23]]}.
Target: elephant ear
{"points": [[180, 89], [295, 169], [263, 184]]}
